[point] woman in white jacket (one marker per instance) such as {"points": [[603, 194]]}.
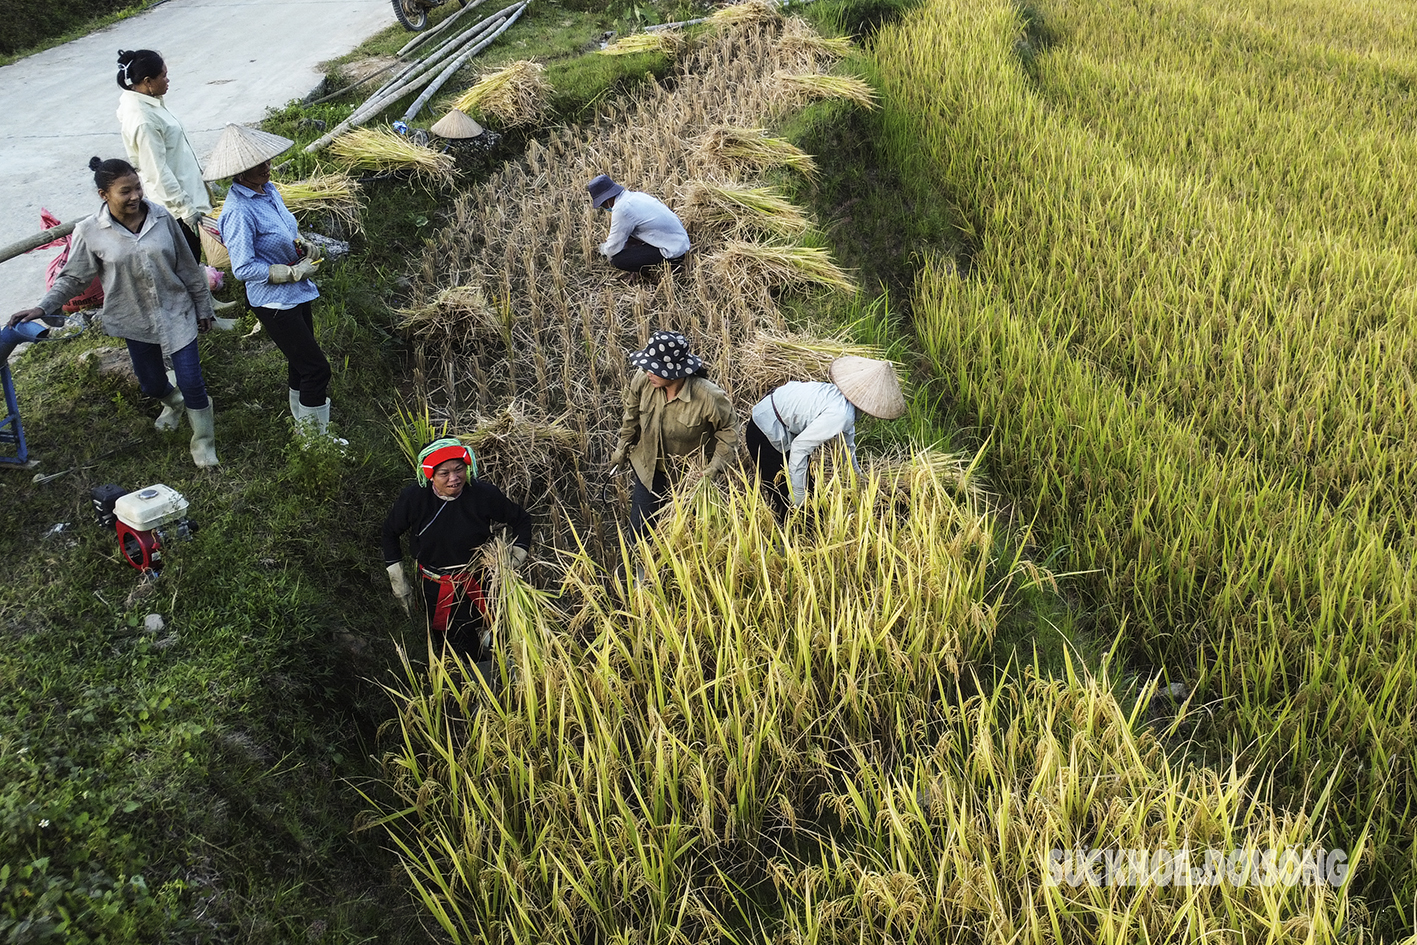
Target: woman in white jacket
{"points": [[157, 145]]}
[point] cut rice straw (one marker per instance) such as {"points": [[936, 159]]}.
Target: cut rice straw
{"points": [[744, 151], [670, 42], [461, 311], [738, 208], [746, 13], [379, 149], [814, 86], [335, 194], [779, 265], [514, 96], [767, 360]]}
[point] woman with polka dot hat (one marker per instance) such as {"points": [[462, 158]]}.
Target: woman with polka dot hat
{"points": [[671, 413]]}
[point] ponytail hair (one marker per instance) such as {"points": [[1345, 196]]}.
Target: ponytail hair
{"points": [[135, 65], [106, 172]]}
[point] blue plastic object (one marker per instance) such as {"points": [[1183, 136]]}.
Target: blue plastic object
{"points": [[11, 430]]}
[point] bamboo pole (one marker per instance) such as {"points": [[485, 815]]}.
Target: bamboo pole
{"points": [[20, 247], [457, 64]]}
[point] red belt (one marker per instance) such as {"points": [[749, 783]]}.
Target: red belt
{"points": [[450, 587]]}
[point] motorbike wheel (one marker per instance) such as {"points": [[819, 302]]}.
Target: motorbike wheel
{"points": [[412, 14]]}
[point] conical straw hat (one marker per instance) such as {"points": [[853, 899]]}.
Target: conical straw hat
{"points": [[239, 149], [870, 385], [456, 124]]}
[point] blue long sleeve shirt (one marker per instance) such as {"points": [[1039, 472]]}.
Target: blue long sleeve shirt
{"points": [[647, 220], [259, 233], [800, 416]]}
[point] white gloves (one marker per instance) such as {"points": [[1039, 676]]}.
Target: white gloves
{"points": [[402, 591], [518, 556], [301, 270]]}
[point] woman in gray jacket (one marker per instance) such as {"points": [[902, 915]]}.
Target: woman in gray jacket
{"points": [[155, 296]]}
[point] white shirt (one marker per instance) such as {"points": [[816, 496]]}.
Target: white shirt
{"points": [[800, 416], [158, 147], [647, 220]]}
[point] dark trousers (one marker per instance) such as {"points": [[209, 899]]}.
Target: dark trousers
{"points": [[194, 241], [152, 374], [638, 256], [645, 504], [772, 475], [293, 331]]}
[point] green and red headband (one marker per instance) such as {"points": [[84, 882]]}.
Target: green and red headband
{"points": [[440, 451]]}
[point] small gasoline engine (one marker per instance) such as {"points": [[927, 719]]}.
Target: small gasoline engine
{"points": [[142, 519]]}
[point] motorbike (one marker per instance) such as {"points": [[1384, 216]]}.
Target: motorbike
{"points": [[413, 14]]}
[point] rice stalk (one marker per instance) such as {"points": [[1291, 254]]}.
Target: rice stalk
{"points": [[670, 42], [462, 311], [748, 151], [737, 207], [515, 95], [743, 14], [335, 194], [813, 86], [381, 149], [769, 359], [779, 266]]}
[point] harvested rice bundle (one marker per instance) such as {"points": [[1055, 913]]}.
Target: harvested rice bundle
{"points": [[767, 360], [335, 194], [778, 266], [740, 14], [804, 48], [460, 312], [812, 86], [671, 42], [379, 149], [741, 208], [512, 430], [516, 95], [747, 151]]}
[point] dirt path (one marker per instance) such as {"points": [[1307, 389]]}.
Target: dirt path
{"points": [[229, 60]]}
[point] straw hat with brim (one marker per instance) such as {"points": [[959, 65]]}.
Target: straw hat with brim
{"points": [[239, 149], [667, 355], [870, 385], [456, 124]]}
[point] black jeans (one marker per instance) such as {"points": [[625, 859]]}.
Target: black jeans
{"points": [[194, 241], [293, 331], [772, 476], [638, 256], [645, 504]]}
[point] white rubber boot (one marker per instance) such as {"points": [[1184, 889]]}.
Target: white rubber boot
{"points": [[171, 415], [203, 436], [315, 421], [295, 404]]}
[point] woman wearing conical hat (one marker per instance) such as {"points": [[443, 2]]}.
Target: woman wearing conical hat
{"points": [[275, 263], [795, 419]]}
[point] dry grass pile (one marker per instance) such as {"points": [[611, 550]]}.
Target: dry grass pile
{"points": [[380, 149], [803, 49], [333, 194], [754, 13], [513, 96], [517, 305]]}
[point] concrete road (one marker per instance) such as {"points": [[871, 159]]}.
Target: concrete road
{"points": [[228, 60]]}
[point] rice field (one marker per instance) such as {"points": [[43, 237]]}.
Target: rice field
{"points": [[786, 735], [1187, 324]]}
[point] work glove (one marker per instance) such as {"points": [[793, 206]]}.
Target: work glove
{"points": [[402, 592], [617, 458], [301, 270], [309, 250], [194, 222], [518, 556]]}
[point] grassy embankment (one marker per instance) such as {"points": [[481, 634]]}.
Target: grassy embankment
{"points": [[200, 783], [758, 746], [1185, 323]]}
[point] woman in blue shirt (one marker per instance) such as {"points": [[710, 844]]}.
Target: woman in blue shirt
{"points": [[275, 263]]}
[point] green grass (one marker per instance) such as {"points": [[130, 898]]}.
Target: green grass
{"points": [[35, 27]]}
